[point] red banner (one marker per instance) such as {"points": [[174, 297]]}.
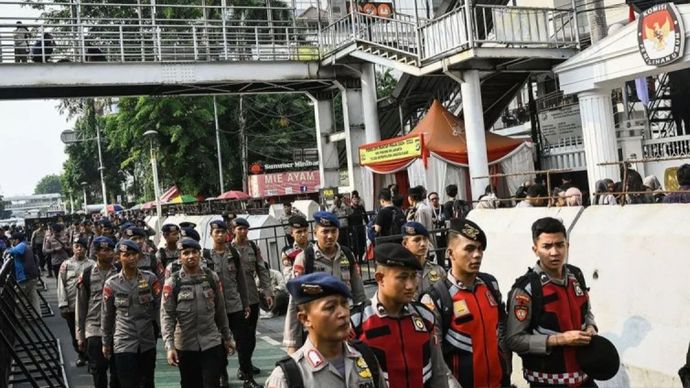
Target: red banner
{"points": [[284, 183]]}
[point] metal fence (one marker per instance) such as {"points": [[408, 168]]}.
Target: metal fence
{"points": [[29, 354]]}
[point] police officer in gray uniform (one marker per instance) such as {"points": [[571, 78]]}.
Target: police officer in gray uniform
{"points": [[68, 277], [228, 265], [176, 265], [169, 253], [131, 303], [325, 359], [147, 261], [88, 312], [324, 256], [252, 264], [193, 320], [416, 240]]}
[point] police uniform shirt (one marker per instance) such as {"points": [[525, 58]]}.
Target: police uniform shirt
{"points": [[149, 262], [70, 271], [166, 256], [518, 338], [430, 274], [337, 265], [289, 256], [130, 307], [316, 371], [193, 314], [89, 300], [253, 264], [233, 279], [435, 373]]}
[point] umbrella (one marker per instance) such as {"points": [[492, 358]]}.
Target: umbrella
{"points": [[184, 199], [148, 205], [233, 194], [113, 208]]}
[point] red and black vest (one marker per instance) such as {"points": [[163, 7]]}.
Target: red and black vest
{"points": [[556, 309], [470, 346], [402, 345]]}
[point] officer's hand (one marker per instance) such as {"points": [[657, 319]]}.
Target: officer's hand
{"points": [[591, 330], [291, 349], [574, 338], [172, 357], [107, 351], [247, 311], [81, 345], [230, 347]]}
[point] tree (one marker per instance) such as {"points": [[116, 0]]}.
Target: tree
{"points": [[49, 184]]}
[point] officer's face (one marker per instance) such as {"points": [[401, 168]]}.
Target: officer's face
{"points": [[105, 255], [129, 259], [190, 258], [79, 250], [172, 237], [552, 250], [418, 245], [327, 318], [396, 283], [139, 240], [218, 235], [300, 235], [241, 232], [465, 255], [326, 236]]}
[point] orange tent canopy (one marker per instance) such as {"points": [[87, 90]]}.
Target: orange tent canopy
{"points": [[444, 136]]}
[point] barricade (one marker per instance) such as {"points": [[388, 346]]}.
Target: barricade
{"points": [[29, 352]]}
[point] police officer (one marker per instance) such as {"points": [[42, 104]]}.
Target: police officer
{"points": [[253, 265], [147, 261], [469, 311], [68, 277], [228, 265], [416, 240], [193, 320], [324, 256], [88, 312], [549, 315], [169, 253], [299, 230], [131, 303], [399, 330], [326, 359], [103, 228], [176, 265]]}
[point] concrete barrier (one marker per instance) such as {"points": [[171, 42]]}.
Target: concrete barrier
{"points": [[635, 260]]}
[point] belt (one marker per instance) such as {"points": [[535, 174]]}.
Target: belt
{"points": [[555, 378]]}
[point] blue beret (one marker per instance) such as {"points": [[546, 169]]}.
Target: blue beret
{"points": [[316, 285], [134, 231], [81, 241], [326, 219], [191, 233], [126, 225], [105, 223], [413, 228], [298, 222], [469, 230], [187, 224], [395, 255], [218, 224], [167, 228], [239, 221], [103, 242], [128, 245], [187, 243]]}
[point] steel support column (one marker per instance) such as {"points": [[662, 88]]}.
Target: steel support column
{"points": [[474, 132], [328, 153]]}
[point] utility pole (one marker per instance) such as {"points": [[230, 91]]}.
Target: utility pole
{"points": [[243, 145], [220, 159], [596, 16]]}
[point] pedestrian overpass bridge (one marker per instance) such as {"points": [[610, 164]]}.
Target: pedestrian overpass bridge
{"points": [[164, 48]]}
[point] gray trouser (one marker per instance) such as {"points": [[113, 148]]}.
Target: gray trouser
{"points": [[29, 289]]}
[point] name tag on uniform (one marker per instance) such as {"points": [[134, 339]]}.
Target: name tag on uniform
{"points": [[460, 308]]}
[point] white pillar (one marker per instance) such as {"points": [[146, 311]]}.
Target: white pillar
{"points": [[370, 104], [356, 134], [599, 135], [474, 132], [328, 153]]}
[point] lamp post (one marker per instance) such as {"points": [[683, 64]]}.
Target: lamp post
{"points": [[83, 187], [69, 136], [153, 141], [220, 160]]}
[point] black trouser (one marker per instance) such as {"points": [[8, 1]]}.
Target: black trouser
{"points": [[70, 324], [344, 237], [244, 332], [98, 365], [135, 370], [201, 368], [55, 270]]}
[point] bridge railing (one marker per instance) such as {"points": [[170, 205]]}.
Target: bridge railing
{"points": [[157, 33]]}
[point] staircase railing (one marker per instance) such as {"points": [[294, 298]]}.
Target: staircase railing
{"points": [[444, 34]]}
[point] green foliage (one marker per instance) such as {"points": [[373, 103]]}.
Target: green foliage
{"points": [[49, 184], [385, 83]]}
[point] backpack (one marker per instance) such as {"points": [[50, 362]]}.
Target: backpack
{"points": [[208, 275], [206, 255], [441, 291], [293, 376], [537, 291], [309, 258], [397, 221]]}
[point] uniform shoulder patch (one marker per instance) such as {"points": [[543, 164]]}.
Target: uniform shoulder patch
{"points": [[314, 358], [521, 312]]}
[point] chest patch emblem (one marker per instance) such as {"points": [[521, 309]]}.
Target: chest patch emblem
{"points": [[418, 324], [521, 312], [578, 289], [434, 276], [460, 308], [363, 369]]}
